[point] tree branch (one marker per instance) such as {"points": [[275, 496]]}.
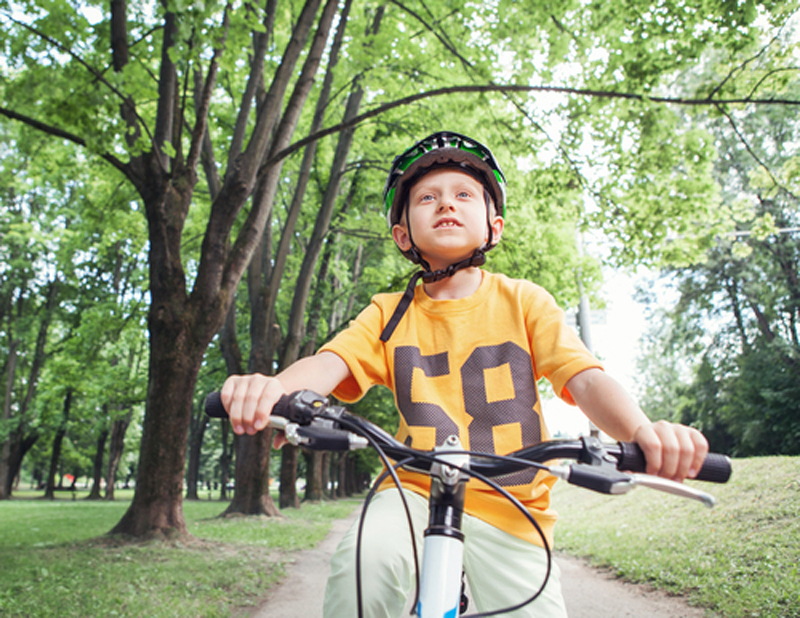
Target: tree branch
{"points": [[742, 66], [61, 133], [449, 46], [97, 74], [201, 110], [253, 81], [756, 158], [767, 76], [506, 88]]}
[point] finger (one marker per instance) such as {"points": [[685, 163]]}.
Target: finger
{"points": [[232, 403], [647, 438], [700, 452], [273, 390], [670, 449], [252, 404], [686, 452]]}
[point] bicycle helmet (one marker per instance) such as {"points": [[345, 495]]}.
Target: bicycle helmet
{"points": [[444, 149]]}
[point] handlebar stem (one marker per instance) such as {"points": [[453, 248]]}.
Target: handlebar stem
{"points": [[444, 540]]}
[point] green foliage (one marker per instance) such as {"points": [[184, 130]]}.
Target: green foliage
{"points": [[72, 285], [725, 357], [645, 176]]}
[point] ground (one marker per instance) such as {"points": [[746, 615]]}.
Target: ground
{"points": [[589, 592]]}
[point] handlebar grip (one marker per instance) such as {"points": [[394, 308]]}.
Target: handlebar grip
{"points": [[716, 467], [215, 409]]}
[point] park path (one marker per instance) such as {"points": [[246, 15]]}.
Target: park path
{"points": [[589, 592]]}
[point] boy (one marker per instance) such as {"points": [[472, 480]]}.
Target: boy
{"points": [[462, 354]]}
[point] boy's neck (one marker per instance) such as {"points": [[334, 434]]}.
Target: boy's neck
{"points": [[462, 284]]}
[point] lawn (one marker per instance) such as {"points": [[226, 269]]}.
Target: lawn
{"points": [[739, 558], [54, 563]]}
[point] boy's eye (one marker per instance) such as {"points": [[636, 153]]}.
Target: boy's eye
{"points": [[463, 194]]}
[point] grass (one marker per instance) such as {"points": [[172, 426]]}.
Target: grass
{"points": [[54, 563], [738, 559]]}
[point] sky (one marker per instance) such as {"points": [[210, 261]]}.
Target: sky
{"points": [[615, 336]]}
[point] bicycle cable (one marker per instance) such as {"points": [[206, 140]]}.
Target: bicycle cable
{"points": [[391, 470]]}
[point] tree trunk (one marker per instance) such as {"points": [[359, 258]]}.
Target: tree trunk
{"points": [[175, 359], [180, 324], [252, 475], [199, 423], [20, 444], [225, 459], [325, 473], [341, 473], [294, 334], [55, 456], [314, 463], [350, 477], [333, 473], [288, 490], [250, 497], [97, 475], [252, 453], [118, 430], [251, 494], [5, 450]]}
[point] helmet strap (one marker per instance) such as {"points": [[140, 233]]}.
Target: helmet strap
{"points": [[478, 258]]}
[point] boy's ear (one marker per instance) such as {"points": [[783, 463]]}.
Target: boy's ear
{"points": [[401, 237], [498, 223]]}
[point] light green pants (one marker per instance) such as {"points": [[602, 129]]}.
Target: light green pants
{"points": [[502, 570]]}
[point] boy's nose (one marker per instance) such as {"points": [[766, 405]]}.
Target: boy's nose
{"points": [[446, 203]]}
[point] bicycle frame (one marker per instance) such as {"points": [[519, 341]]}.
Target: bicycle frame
{"points": [[443, 550]]}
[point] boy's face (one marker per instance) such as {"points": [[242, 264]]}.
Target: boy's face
{"points": [[447, 215]]}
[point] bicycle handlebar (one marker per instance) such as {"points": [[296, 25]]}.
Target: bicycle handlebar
{"points": [[310, 421]]}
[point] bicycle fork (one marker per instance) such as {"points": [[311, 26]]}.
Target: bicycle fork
{"points": [[443, 550]]}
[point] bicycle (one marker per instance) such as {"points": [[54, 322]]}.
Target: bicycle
{"points": [[308, 420]]}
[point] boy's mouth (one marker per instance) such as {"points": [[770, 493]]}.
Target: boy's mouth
{"points": [[446, 223]]}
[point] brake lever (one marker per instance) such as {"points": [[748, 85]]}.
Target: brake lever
{"points": [[319, 435], [673, 487], [609, 480]]}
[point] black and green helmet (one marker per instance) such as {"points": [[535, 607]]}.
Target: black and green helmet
{"points": [[442, 149]]}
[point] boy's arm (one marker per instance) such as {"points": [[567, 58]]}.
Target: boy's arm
{"points": [[249, 399], [672, 450]]}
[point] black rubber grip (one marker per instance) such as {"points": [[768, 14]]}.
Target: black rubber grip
{"points": [[215, 409], [716, 468]]}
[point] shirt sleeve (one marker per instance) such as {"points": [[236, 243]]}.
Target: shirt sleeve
{"points": [[558, 352], [361, 348]]}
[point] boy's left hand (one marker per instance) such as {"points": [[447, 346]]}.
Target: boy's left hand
{"points": [[672, 450]]}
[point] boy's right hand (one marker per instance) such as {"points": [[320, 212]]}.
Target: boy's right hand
{"points": [[249, 400]]}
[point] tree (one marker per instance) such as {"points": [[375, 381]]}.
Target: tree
{"points": [[206, 86], [738, 308]]}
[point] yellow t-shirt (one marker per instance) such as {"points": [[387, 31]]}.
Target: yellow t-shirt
{"points": [[469, 367]]}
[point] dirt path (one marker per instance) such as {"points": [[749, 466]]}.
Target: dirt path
{"points": [[589, 593], [595, 593]]}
